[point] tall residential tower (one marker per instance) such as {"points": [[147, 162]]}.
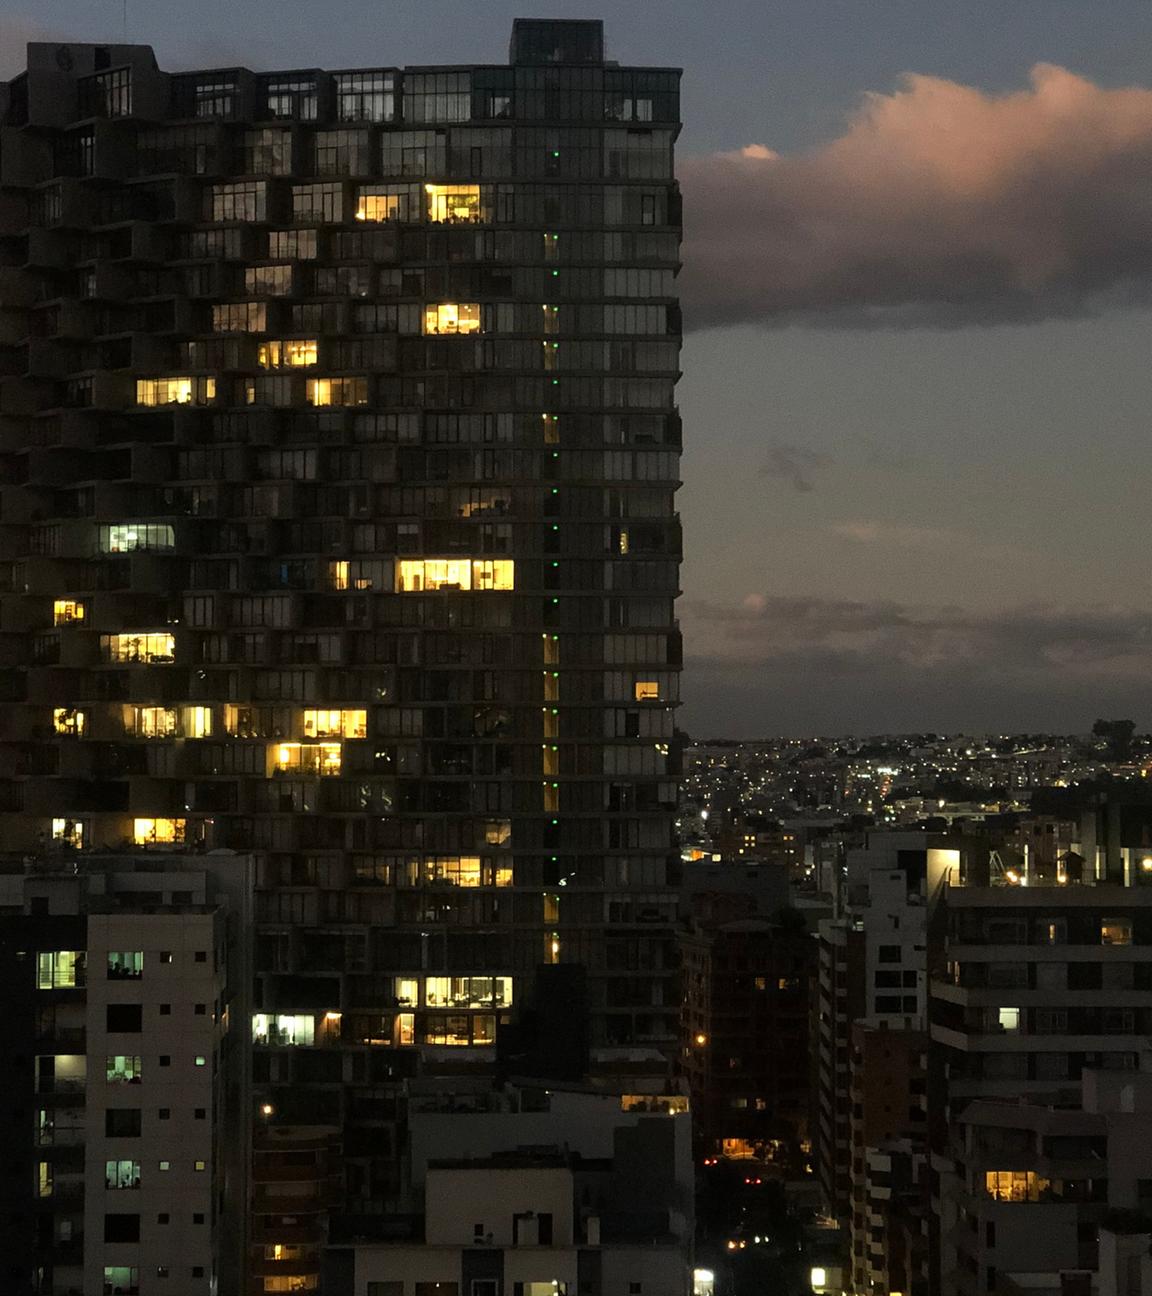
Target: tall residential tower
{"points": [[338, 452]]}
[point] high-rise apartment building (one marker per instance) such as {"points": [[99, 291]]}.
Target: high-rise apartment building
{"points": [[338, 452]]}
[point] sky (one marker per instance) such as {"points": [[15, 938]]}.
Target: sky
{"points": [[916, 389]]}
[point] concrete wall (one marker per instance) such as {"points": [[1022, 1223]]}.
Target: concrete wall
{"points": [[457, 1200]]}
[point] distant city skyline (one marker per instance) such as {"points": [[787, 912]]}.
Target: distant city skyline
{"points": [[930, 526]]}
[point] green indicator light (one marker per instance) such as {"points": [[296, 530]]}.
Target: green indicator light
{"points": [[555, 274], [555, 600], [555, 490], [555, 152], [555, 564], [555, 526], [555, 454]]}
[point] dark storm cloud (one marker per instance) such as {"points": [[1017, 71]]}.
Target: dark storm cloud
{"points": [[794, 465], [776, 664], [940, 205]]}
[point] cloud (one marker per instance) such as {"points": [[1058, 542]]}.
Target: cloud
{"points": [[794, 465], [940, 205], [899, 536], [771, 664]]}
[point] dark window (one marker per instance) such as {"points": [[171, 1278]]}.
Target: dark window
{"points": [[125, 1018], [122, 1122], [121, 1228], [889, 954]]}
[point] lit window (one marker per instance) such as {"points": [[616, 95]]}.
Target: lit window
{"points": [[405, 1028], [199, 1165], [338, 574], [1008, 1020], [416, 574], [68, 612], [197, 722], [452, 317], [125, 965], [201, 1060], [175, 391], [290, 1030], [149, 648], [133, 537], [123, 1070], [385, 203], [296, 354], [303, 1283], [337, 391], [59, 969], [288, 1251], [69, 832], [124, 1278], [498, 832], [468, 992], [335, 724], [647, 691], [453, 204], [151, 721], [68, 721], [1115, 931], [1015, 1185], [121, 1174], [317, 759], [453, 1030], [158, 832]]}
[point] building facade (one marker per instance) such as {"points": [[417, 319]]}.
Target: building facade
{"points": [[338, 452], [124, 1079], [1040, 1010]]}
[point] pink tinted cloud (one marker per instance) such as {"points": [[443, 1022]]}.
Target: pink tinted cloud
{"points": [[940, 204]]}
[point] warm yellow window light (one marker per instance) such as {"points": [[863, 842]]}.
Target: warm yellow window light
{"points": [[338, 572], [152, 721], [416, 574], [380, 206], [174, 391], [138, 647], [197, 722], [452, 317], [291, 354], [68, 612], [337, 391], [647, 691], [453, 204], [306, 759], [70, 832], [68, 721], [158, 832], [336, 724], [1015, 1185]]}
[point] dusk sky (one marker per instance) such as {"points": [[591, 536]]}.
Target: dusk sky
{"points": [[917, 391]]}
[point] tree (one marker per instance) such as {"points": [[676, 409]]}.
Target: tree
{"points": [[1118, 735]]}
